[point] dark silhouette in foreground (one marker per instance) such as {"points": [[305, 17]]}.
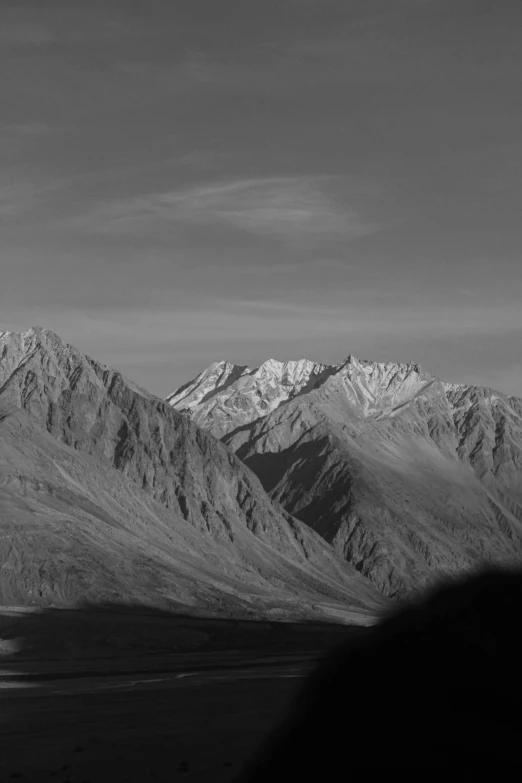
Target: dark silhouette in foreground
{"points": [[434, 687]]}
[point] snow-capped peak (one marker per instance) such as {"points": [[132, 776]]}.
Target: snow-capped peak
{"points": [[290, 373], [217, 375], [226, 396], [234, 394]]}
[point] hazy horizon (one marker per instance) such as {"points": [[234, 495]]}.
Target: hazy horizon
{"points": [[194, 181]]}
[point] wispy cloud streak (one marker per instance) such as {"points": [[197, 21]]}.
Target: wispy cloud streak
{"points": [[20, 195], [286, 208]]}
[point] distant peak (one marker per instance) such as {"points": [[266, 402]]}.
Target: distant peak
{"points": [[353, 360], [271, 367], [291, 370], [215, 365], [271, 363], [223, 364], [286, 364], [33, 331]]}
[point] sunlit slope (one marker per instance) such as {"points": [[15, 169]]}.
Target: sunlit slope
{"points": [[107, 493]]}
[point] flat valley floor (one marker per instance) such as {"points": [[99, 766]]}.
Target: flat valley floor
{"points": [[153, 716], [199, 727]]}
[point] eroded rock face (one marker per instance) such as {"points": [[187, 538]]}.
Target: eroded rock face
{"points": [[407, 476], [196, 483]]}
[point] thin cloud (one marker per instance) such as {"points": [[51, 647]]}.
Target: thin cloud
{"points": [[291, 267], [19, 196], [285, 208]]}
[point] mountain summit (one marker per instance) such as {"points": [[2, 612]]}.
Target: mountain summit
{"points": [[407, 476]]}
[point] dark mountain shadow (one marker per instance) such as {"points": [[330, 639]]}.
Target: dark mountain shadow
{"points": [[321, 485], [307, 457], [432, 690], [320, 441], [114, 692], [315, 381]]}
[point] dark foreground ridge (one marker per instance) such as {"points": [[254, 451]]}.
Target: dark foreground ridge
{"points": [[432, 688], [157, 696]]}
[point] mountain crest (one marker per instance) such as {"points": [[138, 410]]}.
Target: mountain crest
{"points": [[226, 396]]}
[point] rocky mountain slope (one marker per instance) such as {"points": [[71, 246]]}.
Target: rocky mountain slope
{"points": [[407, 476], [107, 493]]}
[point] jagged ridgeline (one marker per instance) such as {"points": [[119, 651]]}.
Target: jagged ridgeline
{"points": [[408, 477], [109, 494]]}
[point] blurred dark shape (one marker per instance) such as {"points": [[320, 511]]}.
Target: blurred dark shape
{"points": [[435, 687]]}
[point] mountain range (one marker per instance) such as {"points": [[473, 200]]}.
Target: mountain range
{"points": [[407, 477], [108, 494], [291, 490]]}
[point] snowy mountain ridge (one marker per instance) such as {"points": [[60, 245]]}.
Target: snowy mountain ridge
{"points": [[226, 395], [232, 394]]}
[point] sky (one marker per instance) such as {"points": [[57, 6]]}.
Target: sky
{"points": [[186, 181]]}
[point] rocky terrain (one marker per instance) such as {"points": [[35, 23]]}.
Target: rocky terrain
{"points": [[408, 477], [227, 395], [109, 494]]}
